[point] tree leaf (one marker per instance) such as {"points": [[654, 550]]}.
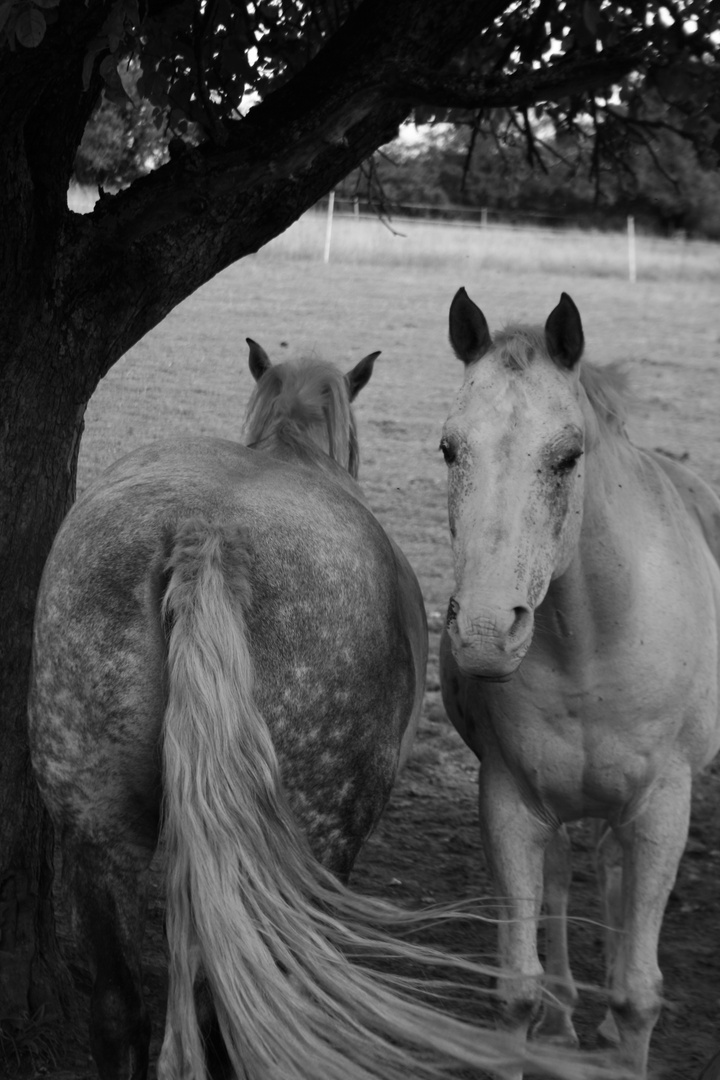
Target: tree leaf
{"points": [[114, 87], [672, 82], [5, 10], [591, 17], [96, 46], [108, 69], [30, 27]]}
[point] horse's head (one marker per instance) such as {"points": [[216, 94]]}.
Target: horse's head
{"points": [[513, 443], [305, 407], [259, 363]]}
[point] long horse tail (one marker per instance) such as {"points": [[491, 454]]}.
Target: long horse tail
{"points": [[279, 942]]}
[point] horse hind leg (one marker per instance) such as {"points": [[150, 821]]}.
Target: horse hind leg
{"points": [[555, 1024], [108, 890]]}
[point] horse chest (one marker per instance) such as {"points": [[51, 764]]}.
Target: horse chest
{"points": [[576, 751]]}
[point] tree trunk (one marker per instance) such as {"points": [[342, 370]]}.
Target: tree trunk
{"points": [[78, 292], [40, 428]]}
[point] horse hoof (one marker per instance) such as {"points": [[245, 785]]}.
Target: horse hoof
{"points": [[563, 1039], [557, 1031], [608, 1032]]}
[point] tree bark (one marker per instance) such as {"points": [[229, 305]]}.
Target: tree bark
{"points": [[79, 291], [40, 426]]}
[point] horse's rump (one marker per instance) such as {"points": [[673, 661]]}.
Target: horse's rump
{"points": [[325, 611]]}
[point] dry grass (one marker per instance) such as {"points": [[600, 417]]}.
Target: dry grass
{"points": [[433, 244]]}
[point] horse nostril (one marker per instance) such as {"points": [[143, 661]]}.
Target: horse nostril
{"points": [[452, 611], [522, 616]]}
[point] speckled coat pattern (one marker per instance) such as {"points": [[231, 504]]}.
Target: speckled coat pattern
{"points": [[335, 671], [336, 637]]}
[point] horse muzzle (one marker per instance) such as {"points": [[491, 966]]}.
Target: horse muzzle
{"points": [[490, 642]]}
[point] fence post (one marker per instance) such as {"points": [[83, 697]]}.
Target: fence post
{"points": [[632, 263], [483, 217], [328, 226]]}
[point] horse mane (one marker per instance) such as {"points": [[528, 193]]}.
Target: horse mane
{"points": [[606, 387], [607, 391], [304, 407]]}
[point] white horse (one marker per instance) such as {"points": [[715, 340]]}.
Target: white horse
{"points": [[580, 659]]}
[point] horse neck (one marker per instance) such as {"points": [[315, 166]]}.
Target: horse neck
{"points": [[306, 452], [291, 446], [288, 443]]}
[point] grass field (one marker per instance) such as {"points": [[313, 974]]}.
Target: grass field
{"points": [[190, 374]]}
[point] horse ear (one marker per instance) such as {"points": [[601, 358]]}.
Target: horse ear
{"points": [[469, 331], [259, 360], [564, 333], [360, 375]]}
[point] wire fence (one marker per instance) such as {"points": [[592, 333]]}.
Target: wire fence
{"points": [[451, 214], [460, 217]]}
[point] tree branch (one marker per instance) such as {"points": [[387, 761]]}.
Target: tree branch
{"points": [[519, 90], [210, 206], [642, 124]]}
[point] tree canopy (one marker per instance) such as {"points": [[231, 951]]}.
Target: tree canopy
{"points": [[264, 106], [646, 142]]}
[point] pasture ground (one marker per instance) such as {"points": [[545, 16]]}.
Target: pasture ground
{"points": [[190, 376]]}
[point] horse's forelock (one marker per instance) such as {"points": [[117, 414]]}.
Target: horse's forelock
{"points": [[606, 387], [519, 345]]}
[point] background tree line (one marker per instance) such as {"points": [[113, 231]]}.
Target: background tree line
{"points": [[665, 186]]}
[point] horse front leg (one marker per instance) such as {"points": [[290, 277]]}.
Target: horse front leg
{"points": [[514, 843], [608, 867], [556, 1024], [652, 842]]}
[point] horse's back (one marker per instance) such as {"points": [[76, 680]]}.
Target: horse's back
{"points": [[334, 615], [700, 500]]}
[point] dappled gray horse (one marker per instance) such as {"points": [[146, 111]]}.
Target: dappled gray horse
{"points": [[580, 658], [201, 599]]}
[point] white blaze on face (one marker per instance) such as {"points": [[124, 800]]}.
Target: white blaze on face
{"points": [[513, 442]]}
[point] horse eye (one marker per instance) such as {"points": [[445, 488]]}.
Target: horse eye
{"points": [[568, 463], [448, 451]]}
